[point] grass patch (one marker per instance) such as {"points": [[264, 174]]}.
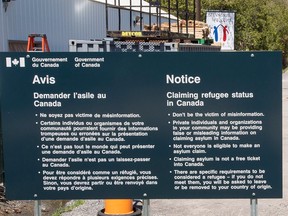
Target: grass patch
{"points": [[68, 208]]}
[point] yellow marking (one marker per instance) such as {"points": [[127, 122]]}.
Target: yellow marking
{"points": [[131, 34]]}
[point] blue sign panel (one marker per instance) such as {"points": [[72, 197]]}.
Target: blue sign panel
{"points": [[150, 125]]}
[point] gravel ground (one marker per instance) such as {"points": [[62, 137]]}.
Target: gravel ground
{"points": [[90, 207]]}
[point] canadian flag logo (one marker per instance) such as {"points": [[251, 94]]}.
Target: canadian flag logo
{"points": [[15, 62]]}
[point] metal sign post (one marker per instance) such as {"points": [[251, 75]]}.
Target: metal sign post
{"points": [[146, 207], [254, 207], [37, 208]]}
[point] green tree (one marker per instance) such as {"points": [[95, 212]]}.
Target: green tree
{"points": [[259, 25], [184, 7]]}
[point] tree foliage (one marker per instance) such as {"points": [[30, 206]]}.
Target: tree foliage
{"points": [[184, 7], [259, 25]]}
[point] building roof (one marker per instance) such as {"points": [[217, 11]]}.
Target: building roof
{"points": [[135, 6]]}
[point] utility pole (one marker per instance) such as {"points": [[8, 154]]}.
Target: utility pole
{"points": [[198, 9]]}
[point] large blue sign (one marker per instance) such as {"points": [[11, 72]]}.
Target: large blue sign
{"points": [[150, 125]]}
